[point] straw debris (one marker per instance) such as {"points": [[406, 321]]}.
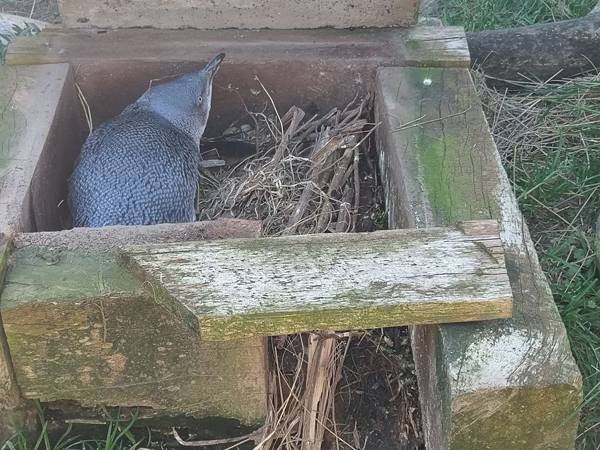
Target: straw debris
{"points": [[304, 176]]}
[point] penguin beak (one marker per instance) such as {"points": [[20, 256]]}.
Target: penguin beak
{"points": [[213, 66]]}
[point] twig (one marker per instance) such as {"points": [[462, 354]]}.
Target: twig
{"points": [[344, 221], [356, 189], [87, 112], [32, 9], [211, 163], [254, 436]]}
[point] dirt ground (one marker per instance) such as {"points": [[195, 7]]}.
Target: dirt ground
{"points": [[46, 10]]}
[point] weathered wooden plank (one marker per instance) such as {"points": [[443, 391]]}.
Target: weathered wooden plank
{"points": [[36, 101], [237, 14], [530, 52], [15, 414], [81, 328], [433, 46], [444, 46], [495, 385], [235, 288], [106, 239]]}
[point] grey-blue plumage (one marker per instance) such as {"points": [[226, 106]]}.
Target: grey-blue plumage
{"points": [[141, 167]]}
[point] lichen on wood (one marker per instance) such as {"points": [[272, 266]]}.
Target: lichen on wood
{"points": [[272, 286], [489, 379], [16, 415], [81, 328]]}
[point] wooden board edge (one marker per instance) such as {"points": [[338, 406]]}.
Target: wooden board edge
{"points": [[157, 292], [243, 326]]}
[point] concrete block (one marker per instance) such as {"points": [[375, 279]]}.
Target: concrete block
{"points": [[206, 14]]}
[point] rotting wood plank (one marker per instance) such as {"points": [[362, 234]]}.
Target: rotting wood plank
{"points": [[433, 46], [236, 288], [443, 46], [499, 384], [80, 328]]}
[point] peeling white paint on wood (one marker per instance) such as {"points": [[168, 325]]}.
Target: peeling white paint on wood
{"points": [[441, 44], [492, 359], [335, 273]]}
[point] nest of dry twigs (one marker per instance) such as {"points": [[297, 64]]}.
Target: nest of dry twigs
{"points": [[304, 176]]}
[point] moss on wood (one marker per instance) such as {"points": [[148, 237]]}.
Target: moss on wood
{"points": [[16, 415], [497, 422], [446, 168], [247, 287], [81, 328]]}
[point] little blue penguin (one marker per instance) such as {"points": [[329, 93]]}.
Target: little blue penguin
{"points": [[141, 167]]}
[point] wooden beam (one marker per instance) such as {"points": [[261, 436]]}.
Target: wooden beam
{"points": [[106, 239], [559, 49], [499, 384], [81, 328], [271, 286], [444, 46], [16, 415], [437, 46], [36, 102]]}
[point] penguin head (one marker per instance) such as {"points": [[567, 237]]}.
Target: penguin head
{"points": [[185, 101]]}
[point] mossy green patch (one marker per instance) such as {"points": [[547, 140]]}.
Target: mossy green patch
{"points": [[441, 162], [448, 128], [218, 328], [541, 411], [43, 274], [130, 351]]}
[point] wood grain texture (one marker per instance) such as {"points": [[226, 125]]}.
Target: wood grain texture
{"points": [[237, 13], [561, 49], [108, 239], [500, 384], [433, 46], [271, 286], [35, 102]]}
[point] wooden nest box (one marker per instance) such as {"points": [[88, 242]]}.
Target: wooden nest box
{"points": [[172, 319]]}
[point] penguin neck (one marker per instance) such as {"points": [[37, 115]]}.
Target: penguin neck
{"points": [[187, 124]]}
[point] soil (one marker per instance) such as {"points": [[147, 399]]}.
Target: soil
{"points": [[378, 398]]}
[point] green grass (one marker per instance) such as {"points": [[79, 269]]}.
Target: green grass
{"points": [[118, 437], [476, 15], [549, 138]]}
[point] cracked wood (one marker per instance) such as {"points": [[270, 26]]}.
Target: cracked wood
{"points": [[247, 287]]}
